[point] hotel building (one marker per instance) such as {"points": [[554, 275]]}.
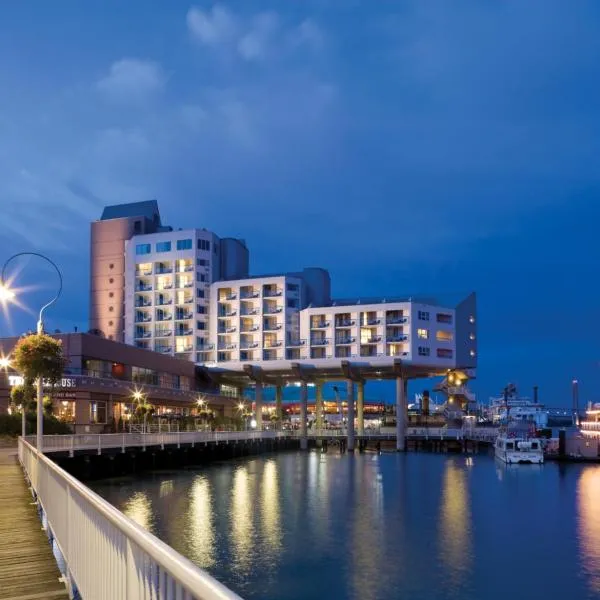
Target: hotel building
{"points": [[188, 293]]}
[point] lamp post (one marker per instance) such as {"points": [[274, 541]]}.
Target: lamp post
{"points": [[6, 294]]}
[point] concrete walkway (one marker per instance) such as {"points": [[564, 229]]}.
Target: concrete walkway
{"points": [[28, 569]]}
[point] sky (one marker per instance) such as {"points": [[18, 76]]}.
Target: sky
{"points": [[408, 147]]}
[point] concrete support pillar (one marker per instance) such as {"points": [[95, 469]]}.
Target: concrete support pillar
{"points": [[259, 405], [279, 405], [303, 416], [360, 406], [401, 414], [319, 404], [350, 396]]}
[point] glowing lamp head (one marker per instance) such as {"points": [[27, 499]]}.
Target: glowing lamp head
{"points": [[4, 362], [6, 294], [137, 395], [241, 406], [253, 423]]}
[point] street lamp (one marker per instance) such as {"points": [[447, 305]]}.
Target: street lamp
{"points": [[7, 295]]}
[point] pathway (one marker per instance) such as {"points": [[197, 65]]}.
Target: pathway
{"points": [[28, 569]]}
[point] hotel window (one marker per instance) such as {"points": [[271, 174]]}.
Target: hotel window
{"points": [[444, 353], [201, 310], [200, 341], [200, 325], [292, 303], [444, 336], [163, 247], [184, 244], [203, 245], [423, 315], [202, 262], [292, 287], [444, 318], [200, 277], [423, 334], [143, 249], [423, 351], [199, 293]]}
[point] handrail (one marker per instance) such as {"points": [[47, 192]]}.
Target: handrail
{"points": [[107, 555]]}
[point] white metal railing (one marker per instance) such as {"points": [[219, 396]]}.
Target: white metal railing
{"points": [[590, 425], [107, 555], [100, 441]]}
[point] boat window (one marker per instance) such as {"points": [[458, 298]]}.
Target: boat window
{"points": [[509, 445], [534, 446]]}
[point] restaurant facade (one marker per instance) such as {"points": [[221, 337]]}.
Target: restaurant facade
{"points": [[104, 380]]}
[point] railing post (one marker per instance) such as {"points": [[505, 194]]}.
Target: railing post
{"points": [[123, 443]]}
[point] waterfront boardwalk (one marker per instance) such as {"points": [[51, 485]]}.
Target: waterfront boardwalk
{"points": [[28, 569]]}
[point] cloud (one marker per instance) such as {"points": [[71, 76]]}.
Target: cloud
{"points": [[214, 27], [132, 81], [255, 38]]}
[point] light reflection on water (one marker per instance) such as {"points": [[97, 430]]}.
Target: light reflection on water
{"points": [[429, 527]]}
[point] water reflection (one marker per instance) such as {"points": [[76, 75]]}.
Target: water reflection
{"points": [[242, 525], [270, 511], [368, 530], [139, 508], [588, 502], [455, 525], [200, 532], [166, 488]]}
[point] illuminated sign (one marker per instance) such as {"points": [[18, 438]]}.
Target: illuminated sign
{"points": [[65, 382]]}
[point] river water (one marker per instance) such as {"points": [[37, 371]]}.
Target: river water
{"points": [[310, 526]]}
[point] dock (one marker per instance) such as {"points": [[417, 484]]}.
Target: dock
{"points": [[28, 569]]}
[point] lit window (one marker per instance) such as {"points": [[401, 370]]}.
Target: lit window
{"points": [[142, 249], [184, 244], [163, 247], [444, 318], [444, 336], [423, 333]]}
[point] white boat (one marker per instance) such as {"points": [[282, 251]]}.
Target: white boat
{"points": [[519, 450]]}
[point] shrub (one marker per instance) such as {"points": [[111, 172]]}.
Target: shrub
{"points": [[39, 355]]}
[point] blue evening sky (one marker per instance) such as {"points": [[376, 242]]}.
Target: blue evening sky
{"points": [[409, 147]]}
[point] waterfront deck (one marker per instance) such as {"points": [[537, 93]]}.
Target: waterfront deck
{"points": [[28, 569]]}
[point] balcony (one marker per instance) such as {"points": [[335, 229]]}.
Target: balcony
{"points": [[272, 293], [247, 295], [164, 270], [249, 312], [143, 273], [275, 344], [165, 302], [143, 287], [232, 296], [272, 310], [226, 346], [346, 340], [184, 331], [373, 322], [163, 333], [296, 343], [142, 304], [165, 286], [397, 338], [230, 329], [143, 319], [228, 314], [396, 320], [319, 342], [248, 345], [182, 349], [319, 324], [186, 284], [271, 327], [372, 340], [206, 348], [345, 323], [185, 269], [165, 349], [249, 329], [143, 334], [185, 301], [164, 317]]}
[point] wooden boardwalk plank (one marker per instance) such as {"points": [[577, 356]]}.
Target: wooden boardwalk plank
{"points": [[28, 569]]}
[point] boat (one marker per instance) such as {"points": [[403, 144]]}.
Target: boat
{"points": [[516, 449], [511, 406]]}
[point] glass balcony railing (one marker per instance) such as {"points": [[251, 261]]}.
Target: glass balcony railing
{"points": [[248, 345], [165, 349], [225, 315], [372, 340], [139, 304], [373, 321], [345, 340], [345, 323], [275, 344], [164, 270], [143, 334], [165, 302], [183, 316], [396, 320], [271, 326], [143, 273], [249, 312], [272, 310], [246, 295], [319, 324], [143, 287], [187, 348], [163, 333], [249, 328], [397, 338], [272, 293], [143, 319], [295, 343], [184, 331], [164, 317], [319, 342]]}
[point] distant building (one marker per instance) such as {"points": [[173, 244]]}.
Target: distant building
{"points": [[188, 293]]}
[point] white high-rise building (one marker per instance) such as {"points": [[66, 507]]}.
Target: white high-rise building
{"points": [[188, 293]]}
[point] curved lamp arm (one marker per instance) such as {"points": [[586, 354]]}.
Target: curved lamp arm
{"points": [[40, 324]]}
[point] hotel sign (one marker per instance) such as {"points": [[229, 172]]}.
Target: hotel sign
{"points": [[65, 382]]}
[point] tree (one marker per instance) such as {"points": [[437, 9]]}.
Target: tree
{"points": [[39, 355], [22, 395]]}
